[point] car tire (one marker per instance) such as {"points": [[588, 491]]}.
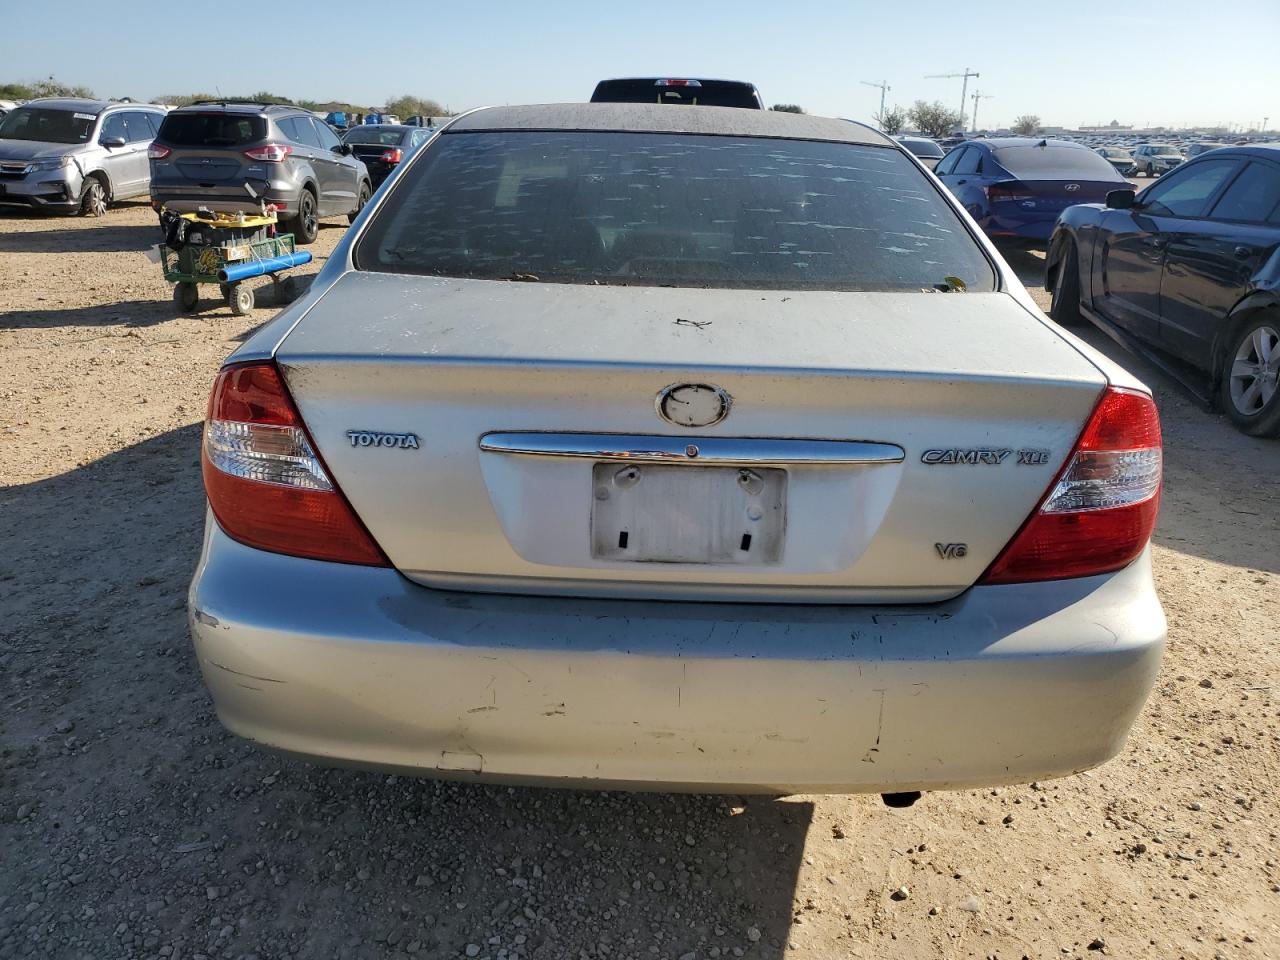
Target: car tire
{"points": [[1151, 171], [1064, 304], [187, 296], [93, 198], [305, 227], [365, 194], [1250, 375]]}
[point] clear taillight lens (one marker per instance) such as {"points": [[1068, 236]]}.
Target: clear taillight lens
{"points": [[157, 152]]}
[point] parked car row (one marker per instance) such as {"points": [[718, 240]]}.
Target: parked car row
{"points": [[78, 155]]}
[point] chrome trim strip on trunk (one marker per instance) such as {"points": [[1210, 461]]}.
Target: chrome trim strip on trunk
{"points": [[747, 451]]}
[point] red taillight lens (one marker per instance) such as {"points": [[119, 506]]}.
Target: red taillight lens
{"points": [[272, 152], [1009, 191], [157, 152], [267, 486], [1100, 512], [394, 155]]}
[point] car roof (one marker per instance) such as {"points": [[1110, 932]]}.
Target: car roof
{"points": [[397, 127], [996, 143], [238, 106], [1264, 151], [656, 118], [87, 105]]}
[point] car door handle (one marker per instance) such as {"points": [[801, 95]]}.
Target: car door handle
{"points": [[961, 182], [1242, 253]]}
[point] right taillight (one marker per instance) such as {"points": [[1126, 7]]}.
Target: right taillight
{"points": [[1098, 515], [394, 155], [267, 485], [271, 153]]}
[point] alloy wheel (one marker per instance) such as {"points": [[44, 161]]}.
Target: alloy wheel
{"points": [[95, 200], [1255, 372]]}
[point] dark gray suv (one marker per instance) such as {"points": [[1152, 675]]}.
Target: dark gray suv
{"points": [[228, 156]]}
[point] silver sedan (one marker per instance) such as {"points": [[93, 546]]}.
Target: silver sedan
{"points": [[685, 449]]}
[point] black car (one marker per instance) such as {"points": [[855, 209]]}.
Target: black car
{"points": [[1187, 272], [923, 149], [382, 146], [705, 93]]}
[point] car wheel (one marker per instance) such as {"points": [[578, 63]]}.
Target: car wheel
{"points": [[242, 300], [1151, 171], [1251, 375], [305, 227], [187, 296], [1064, 305], [93, 199], [365, 193]]}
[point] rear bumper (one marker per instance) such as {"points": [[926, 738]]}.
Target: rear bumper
{"points": [[356, 665], [230, 198]]}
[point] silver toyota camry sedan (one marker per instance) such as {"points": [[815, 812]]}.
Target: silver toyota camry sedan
{"points": [[705, 449]]}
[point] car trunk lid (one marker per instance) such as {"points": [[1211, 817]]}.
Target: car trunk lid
{"points": [[422, 396]]}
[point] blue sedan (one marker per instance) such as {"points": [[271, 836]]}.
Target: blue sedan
{"points": [[1187, 272], [1015, 187]]}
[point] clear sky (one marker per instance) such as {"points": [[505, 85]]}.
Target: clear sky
{"points": [[1071, 63]]}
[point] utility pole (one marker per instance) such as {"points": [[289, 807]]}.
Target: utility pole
{"points": [[979, 95], [964, 88], [883, 88]]}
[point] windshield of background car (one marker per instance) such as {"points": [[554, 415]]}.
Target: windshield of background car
{"points": [[1165, 150], [1054, 163], [47, 125], [671, 210], [212, 129], [386, 138], [706, 93]]}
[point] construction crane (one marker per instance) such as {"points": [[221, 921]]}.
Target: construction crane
{"points": [[979, 95], [883, 88], [964, 87]]}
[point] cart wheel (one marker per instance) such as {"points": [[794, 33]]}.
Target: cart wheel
{"points": [[242, 300], [186, 295], [226, 290]]}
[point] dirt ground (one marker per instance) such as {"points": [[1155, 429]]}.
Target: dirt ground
{"points": [[131, 825]]}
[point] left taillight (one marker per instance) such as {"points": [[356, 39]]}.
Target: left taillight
{"points": [[157, 152], [267, 486], [1010, 190]]}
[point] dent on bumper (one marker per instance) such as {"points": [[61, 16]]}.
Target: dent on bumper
{"points": [[357, 665]]}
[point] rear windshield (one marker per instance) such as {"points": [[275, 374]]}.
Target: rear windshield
{"points": [[371, 134], [671, 210], [47, 126], [212, 129], [705, 93], [1031, 162], [922, 148]]}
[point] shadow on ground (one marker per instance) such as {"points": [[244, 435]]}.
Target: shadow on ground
{"points": [[214, 846]]}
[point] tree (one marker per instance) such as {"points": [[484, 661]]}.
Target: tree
{"points": [[933, 119], [892, 120], [407, 106], [48, 87], [787, 108], [1026, 125]]}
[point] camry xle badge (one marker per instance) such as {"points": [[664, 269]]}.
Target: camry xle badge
{"points": [[1071, 187], [370, 438], [981, 455], [693, 404]]}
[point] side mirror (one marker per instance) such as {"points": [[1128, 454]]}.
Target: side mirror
{"points": [[112, 142], [343, 148], [1121, 200]]}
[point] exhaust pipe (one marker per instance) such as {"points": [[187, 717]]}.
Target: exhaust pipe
{"points": [[256, 268], [900, 801]]}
